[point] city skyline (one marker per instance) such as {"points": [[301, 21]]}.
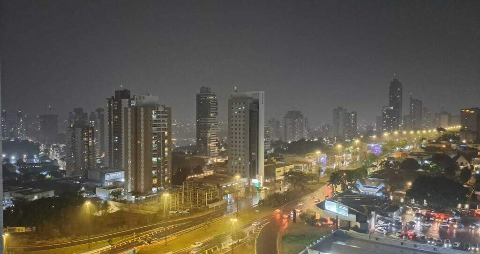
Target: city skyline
{"points": [[314, 69]]}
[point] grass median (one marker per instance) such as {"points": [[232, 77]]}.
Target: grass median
{"points": [[298, 235]]}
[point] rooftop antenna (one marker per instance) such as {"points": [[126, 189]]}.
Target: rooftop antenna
{"points": [[49, 109], [236, 89]]}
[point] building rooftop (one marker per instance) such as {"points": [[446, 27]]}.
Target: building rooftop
{"points": [[340, 242]]}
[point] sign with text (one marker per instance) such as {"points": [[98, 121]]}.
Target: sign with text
{"points": [[336, 207]]}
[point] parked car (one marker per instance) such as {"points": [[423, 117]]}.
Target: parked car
{"points": [[456, 245], [381, 230], [256, 223], [439, 242], [431, 241], [444, 225], [466, 246], [447, 243], [411, 223], [426, 224]]}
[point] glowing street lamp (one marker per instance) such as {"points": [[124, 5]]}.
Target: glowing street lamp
{"points": [[5, 242], [87, 204]]}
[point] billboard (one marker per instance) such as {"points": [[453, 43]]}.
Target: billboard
{"points": [[336, 208]]}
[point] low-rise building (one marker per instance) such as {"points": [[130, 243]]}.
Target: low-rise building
{"points": [[106, 176], [371, 187]]}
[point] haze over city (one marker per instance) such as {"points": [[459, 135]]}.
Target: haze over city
{"points": [[215, 127], [312, 55]]}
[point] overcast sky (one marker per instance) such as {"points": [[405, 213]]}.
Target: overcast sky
{"points": [[312, 55]]}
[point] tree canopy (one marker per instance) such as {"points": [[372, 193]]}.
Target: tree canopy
{"points": [[439, 191], [409, 165], [465, 175], [297, 179]]}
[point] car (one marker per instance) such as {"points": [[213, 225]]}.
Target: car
{"points": [[381, 230], [456, 245], [447, 243], [195, 251], [399, 233], [458, 225], [411, 223], [431, 240], [256, 223], [197, 244], [426, 224], [286, 216], [277, 210], [439, 242], [466, 246], [422, 238], [474, 247], [300, 204], [316, 200], [444, 225]]}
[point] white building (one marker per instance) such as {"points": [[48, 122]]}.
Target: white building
{"points": [[246, 114]]}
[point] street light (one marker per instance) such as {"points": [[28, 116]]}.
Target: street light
{"points": [[87, 203], [5, 242], [237, 177], [234, 220], [165, 196]]}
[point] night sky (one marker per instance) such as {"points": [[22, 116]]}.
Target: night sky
{"points": [[312, 55]]}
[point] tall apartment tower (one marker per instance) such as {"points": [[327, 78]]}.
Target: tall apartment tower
{"points": [[4, 125], [80, 153], [20, 128], [352, 127], [246, 114], [395, 99], [97, 121], [275, 132], [148, 145], [416, 114], [294, 126], [115, 106], [207, 123], [470, 124], [389, 119], [340, 118], [49, 128]]}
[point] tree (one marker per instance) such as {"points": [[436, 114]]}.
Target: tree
{"points": [[450, 171], [465, 175], [335, 179], [297, 179], [410, 165], [115, 194], [443, 161], [439, 192], [198, 170]]}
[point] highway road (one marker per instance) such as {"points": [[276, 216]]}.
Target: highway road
{"points": [[270, 237]]}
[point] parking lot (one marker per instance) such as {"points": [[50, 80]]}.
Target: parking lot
{"points": [[463, 228]]}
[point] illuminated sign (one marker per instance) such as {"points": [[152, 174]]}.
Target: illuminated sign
{"points": [[336, 208]]}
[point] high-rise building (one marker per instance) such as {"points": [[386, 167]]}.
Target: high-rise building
{"points": [[80, 153], [20, 128], [389, 119], [4, 125], [470, 125], [294, 126], [275, 132], [340, 119], [97, 121], [49, 128], [416, 114], [207, 123], [379, 123], [267, 138], [351, 128], [115, 106], [148, 145], [427, 118], [344, 123], [246, 112], [395, 99], [326, 131], [442, 119]]}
